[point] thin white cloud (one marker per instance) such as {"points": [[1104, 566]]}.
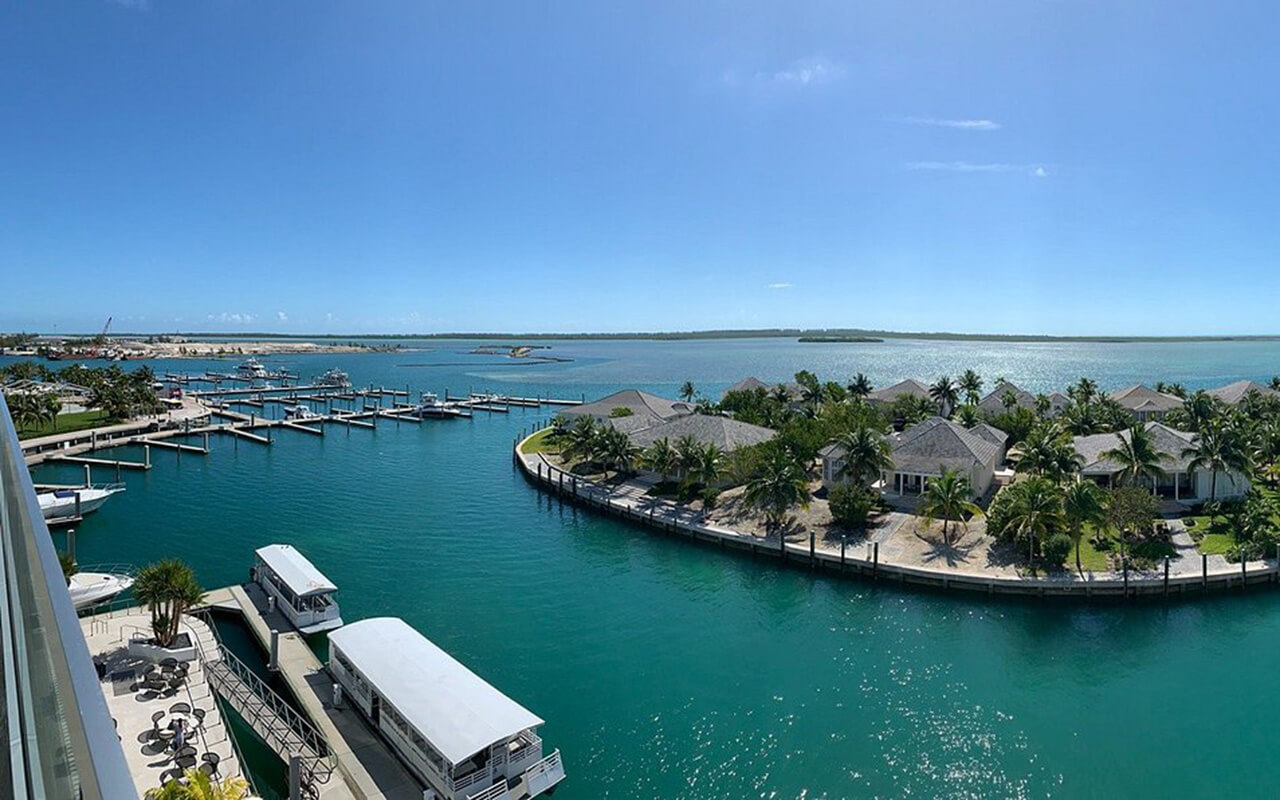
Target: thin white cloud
{"points": [[232, 317], [135, 5], [281, 316], [1036, 170], [804, 72], [958, 124], [779, 286]]}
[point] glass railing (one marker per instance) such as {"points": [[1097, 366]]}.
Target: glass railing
{"points": [[58, 737]]}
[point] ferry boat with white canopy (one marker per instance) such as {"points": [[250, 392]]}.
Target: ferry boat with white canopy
{"points": [[462, 737], [302, 593]]}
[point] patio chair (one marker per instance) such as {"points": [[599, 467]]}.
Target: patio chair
{"points": [[155, 721], [169, 662], [210, 762], [180, 708], [199, 713]]}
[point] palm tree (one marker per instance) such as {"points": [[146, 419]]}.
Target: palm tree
{"points": [[661, 458], [1079, 419], [860, 386], [1047, 452], [199, 785], [1084, 504], [582, 437], [618, 451], [706, 469], [1137, 456], [688, 450], [947, 498], [1217, 448], [967, 415], [687, 391], [1084, 391], [811, 393], [777, 485], [168, 588], [1043, 404], [1036, 512], [866, 454], [1009, 399], [945, 394], [1200, 409], [971, 385]]}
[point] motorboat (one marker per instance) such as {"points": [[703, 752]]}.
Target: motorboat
{"points": [[252, 368], [70, 502], [334, 378], [299, 412], [432, 406], [93, 585]]}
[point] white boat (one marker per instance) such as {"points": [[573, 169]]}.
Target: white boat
{"points": [[432, 406], [301, 592], [299, 413], [252, 368], [95, 585], [70, 502], [461, 736], [334, 378]]}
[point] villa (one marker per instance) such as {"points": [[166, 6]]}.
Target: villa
{"points": [[1147, 404], [706, 429], [748, 384], [921, 453], [993, 403], [640, 409], [1178, 481], [1233, 393], [888, 394]]}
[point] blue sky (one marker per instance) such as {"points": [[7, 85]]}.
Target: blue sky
{"points": [[1003, 166]]}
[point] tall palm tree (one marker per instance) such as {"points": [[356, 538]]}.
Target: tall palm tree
{"points": [[1200, 409], [1217, 448], [581, 445], [971, 385], [945, 394], [687, 391], [706, 469], [1084, 503], [1084, 391], [778, 485], [1036, 512], [1043, 404], [967, 415], [947, 498], [661, 458], [860, 386], [618, 451], [688, 451], [1079, 419], [867, 453], [1047, 452], [1137, 456], [811, 392]]}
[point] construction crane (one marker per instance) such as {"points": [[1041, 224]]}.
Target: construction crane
{"points": [[102, 337]]}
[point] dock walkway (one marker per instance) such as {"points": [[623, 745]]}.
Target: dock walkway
{"points": [[370, 771]]}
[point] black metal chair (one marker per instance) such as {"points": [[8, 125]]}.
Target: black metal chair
{"points": [[180, 708]]}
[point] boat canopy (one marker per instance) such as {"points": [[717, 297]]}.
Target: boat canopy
{"points": [[293, 568], [457, 711]]}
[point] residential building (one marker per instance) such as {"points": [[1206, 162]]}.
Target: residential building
{"points": [[1146, 404], [1177, 481]]}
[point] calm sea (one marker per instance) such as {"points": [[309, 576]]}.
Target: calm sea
{"points": [[670, 670]]}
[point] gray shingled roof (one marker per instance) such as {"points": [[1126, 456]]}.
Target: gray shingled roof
{"points": [[937, 444], [1142, 398], [748, 384], [1166, 439], [727, 434], [1233, 393], [991, 433], [890, 393], [994, 401], [642, 404]]}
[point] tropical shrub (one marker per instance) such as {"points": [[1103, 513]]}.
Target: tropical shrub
{"points": [[1057, 548], [621, 411], [851, 505]]}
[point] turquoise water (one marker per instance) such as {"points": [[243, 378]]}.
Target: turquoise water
{"points": [[667, 669]]}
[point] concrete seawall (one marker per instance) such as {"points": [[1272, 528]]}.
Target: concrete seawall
{"points": [[671, 519]]}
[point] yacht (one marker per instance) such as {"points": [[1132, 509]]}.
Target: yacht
{"points": [[94, 585], [299, 412], [68, 502], [432, 406], [334, 378], [252, 368]]}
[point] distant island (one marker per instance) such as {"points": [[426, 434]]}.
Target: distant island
{"points": [[843, 334], [838, 339]]}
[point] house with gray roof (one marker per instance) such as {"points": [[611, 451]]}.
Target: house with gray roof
{"points": [[1145, 403], [922, 452], [749, 384], [724, 432], [639, 409], [993, 403], [1233, 393], [1178, 481], [888, 394]]}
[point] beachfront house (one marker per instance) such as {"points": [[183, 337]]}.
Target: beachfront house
{"points": [[639, 409], [1177, 481], [1146, 404], [922, 452], [1234, 393], [706, 429], [461, 736], [994, 402]]}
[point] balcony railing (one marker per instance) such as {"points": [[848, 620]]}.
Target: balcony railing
{"points": [[58, 738]]}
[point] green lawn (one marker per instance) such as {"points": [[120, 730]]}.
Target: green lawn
{"points": [[1216, 544], [67, 423], [1091, 557], [538, 443]]}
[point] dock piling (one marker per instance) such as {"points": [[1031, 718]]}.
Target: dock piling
{"points": [[273, 664]]}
